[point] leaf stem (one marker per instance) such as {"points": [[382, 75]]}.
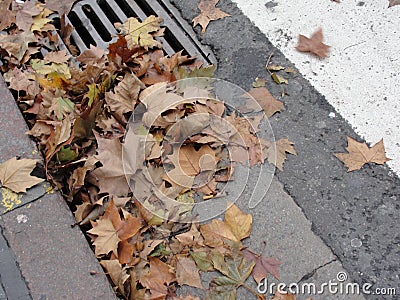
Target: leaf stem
{"points": [[250, 290], [268, 61]]}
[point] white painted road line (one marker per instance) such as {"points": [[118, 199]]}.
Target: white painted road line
{"points": [[361, 77]]}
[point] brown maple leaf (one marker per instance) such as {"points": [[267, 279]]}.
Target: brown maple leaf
{"points": [[208, 12], [119, 51], [124, 96], [266, 101], [23, 80], [236, 227], [157, 278], [393, 3], [188, 163], [58, 57], [111, 230], [360, 154], [263, 265], [17, 45], [25, 13], [313, 45], [141, 33], [277, 156], [239, 222], [117, 273]]}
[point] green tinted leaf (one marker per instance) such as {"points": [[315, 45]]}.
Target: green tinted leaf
{"points": [[275, 68], [160, 250], [93, 93], [63, 106], [279, 79], [218, 261], [66, 154], [203, 72], [224, 292], [202, 261], [258, 83]]}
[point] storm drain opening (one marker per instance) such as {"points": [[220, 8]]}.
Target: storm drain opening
{"points": [[93, 23]]}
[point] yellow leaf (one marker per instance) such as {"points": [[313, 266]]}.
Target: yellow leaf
{"points": [[44, 69], [279, 79], [138, 33], [40, 21], [216, 232], [239, 222]]}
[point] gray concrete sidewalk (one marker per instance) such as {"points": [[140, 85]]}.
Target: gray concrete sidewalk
{"points": [[356, 214], [41, 256], [55, 259]]}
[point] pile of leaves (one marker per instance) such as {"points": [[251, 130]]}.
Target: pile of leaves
{"points": [[78, 109], [185, 145]]}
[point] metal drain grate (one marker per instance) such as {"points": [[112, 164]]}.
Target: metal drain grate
{"points": [[93, 24]]}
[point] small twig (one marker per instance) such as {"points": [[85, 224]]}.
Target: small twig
{"points": [[268, 61]]}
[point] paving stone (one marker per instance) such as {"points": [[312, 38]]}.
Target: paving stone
{"points": [[12, 285], [15, 142], [335, 273], [54, 258]]}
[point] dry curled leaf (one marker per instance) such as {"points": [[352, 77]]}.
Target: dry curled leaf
{"points": [[208, 12], [15, 174], [117, 273], [360, 154], [313, 45], [124, 96], [279, 79], [157, 278], [91, 56], [111, 176]]}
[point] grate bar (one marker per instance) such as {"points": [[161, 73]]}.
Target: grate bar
{"points": [[93, 24]]}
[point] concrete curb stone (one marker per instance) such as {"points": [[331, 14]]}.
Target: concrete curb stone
{"points": [[55, 260]]}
